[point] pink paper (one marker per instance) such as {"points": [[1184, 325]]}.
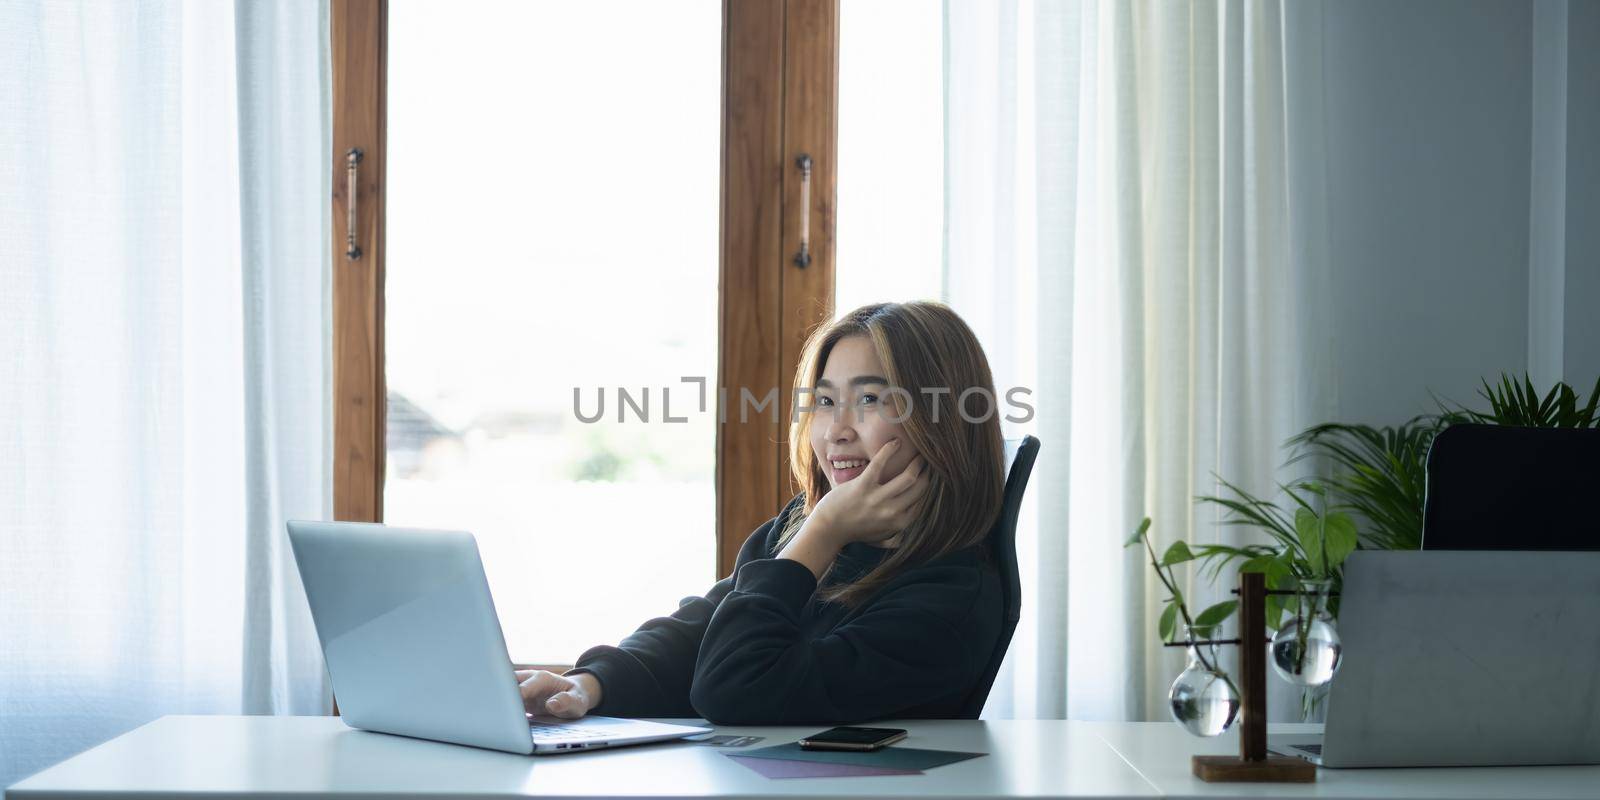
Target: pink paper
{"points": [[778, 768]]}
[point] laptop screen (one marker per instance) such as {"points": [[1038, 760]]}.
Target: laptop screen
{"points": [[1503, 488]]}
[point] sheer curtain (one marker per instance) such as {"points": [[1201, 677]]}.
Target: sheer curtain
{"points": [[163, 395], [1118, 231]]}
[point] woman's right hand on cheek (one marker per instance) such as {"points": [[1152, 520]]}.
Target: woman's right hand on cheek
{"points": [[865, 510], [548, 694]]}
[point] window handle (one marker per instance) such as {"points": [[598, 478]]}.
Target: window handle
{"points": [[803, 258], [352, 187]]}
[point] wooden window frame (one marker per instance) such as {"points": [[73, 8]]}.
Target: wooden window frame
{"points": [[357, 33], [779, 99]]}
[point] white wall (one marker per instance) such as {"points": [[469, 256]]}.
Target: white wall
{"points": [[1582, 324], [1427, 132]]}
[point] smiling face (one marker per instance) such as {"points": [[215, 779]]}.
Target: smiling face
{"points": [[934, 358], [851, 422]]}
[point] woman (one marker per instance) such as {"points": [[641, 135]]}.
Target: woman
{"points": [[870, 594]]}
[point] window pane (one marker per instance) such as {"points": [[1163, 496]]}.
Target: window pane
{"points": [[891, 152], [552, 225]]}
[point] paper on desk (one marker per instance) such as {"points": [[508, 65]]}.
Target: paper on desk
{"points": [[723, 740], [909, 758], [782, 768]]}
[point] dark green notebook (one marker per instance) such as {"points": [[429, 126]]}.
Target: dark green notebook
{"points": [[895, 757]]}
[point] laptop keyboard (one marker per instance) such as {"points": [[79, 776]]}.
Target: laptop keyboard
{"points": [[1313, 749], [542, 731]]}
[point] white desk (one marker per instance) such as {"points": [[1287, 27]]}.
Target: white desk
{"points": [[1152, 748], [293, 757], [288, 757]]}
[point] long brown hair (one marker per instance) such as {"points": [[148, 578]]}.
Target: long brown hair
{"points": [[922, 346]]}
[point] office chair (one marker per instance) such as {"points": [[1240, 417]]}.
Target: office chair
{"points": [[1003, 540], [1494, 487]]}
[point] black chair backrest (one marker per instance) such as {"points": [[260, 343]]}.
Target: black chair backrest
{"points": [[1003, 543], [1494, 487]]}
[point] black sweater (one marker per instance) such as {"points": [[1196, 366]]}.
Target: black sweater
{"points": [[761, 649]]}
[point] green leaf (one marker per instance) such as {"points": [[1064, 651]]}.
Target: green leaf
{"points": [[1218, 556], [1309, 526], [1177, 554], [1380, 474], [1260, 564], [1138, 536], [1247, 510], [1169, 620], [1280, 572], [1294, 495], [1274, 611], [1217, 614], [1339, 538], [1518, 402]]}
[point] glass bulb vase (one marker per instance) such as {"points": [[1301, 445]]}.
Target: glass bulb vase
{"points": [[1306, 650], [1203, 699]]}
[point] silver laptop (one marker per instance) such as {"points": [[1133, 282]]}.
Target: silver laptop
{"points": [[414, 647], [1463, 658]]}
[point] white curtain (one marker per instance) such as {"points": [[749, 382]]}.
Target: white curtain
{"points": [[164, 389], [1118, 231]]}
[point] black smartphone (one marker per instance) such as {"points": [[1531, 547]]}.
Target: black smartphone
{"points": [[849, 738]]}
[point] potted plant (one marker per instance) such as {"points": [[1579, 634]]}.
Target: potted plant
{"points": [[1371, 497]]}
